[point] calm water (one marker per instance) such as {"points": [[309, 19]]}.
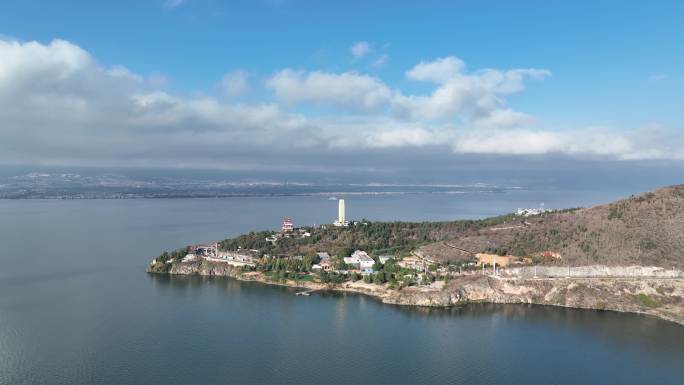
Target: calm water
{"points": [[77, 308]]}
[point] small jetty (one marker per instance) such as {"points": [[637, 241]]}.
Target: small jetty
{"points": [[306, 292]]}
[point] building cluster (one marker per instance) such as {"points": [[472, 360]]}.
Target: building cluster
{"points": [[413, 262], [358, 261], [287, 228], [205, 250], [212, 251], [361, 261], [531, 212], [325, 263]]}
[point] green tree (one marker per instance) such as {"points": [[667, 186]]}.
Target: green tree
{"points": [[379, 278]]}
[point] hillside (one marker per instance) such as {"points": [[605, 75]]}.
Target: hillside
{"points": [[647, 229], [374, 237]]}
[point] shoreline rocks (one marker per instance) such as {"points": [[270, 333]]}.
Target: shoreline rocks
{"points": [[659, 297]]}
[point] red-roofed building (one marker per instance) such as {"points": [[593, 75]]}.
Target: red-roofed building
{"points": [[287, 225]]}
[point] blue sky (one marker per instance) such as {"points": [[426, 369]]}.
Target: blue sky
{"points": [[615, 65]]}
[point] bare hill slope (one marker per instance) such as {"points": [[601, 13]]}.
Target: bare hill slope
{"points": [[647, 229]]}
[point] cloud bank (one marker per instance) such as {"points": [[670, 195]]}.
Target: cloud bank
{"points": [[59, 105]]}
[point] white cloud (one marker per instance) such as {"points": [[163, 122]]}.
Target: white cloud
{"points": [[362, 132], [438, 71], [591, 142], [479, 96], [460, 94], [235, 83], [508, 142], [59, 105], [360, 49], [347, 90], [124, 73]]}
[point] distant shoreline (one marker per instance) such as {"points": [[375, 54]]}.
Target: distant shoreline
{"points": [[248, 195]]}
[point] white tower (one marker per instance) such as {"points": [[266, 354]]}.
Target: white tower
{"points": [[340, 212], [341, 220]]}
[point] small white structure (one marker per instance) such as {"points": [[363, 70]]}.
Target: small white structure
{"points": [[384, 258], [531, 212], [323, 256], [360, 260]]}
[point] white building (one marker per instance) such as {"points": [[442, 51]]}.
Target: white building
{"points": [[528, 212], [360, 260], [384, 258], [206, 250], [236, 257], [341, 219]]}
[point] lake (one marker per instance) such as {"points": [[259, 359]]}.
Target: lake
{"points": [[76, 306]]}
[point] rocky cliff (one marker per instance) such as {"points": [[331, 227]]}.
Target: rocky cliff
{"points": [[660, 297]]}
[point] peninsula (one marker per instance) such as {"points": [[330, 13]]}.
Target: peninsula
{"points": [[624, 256]]}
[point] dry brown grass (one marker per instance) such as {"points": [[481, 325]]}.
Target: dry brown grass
{"points": [[647, 229]]}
